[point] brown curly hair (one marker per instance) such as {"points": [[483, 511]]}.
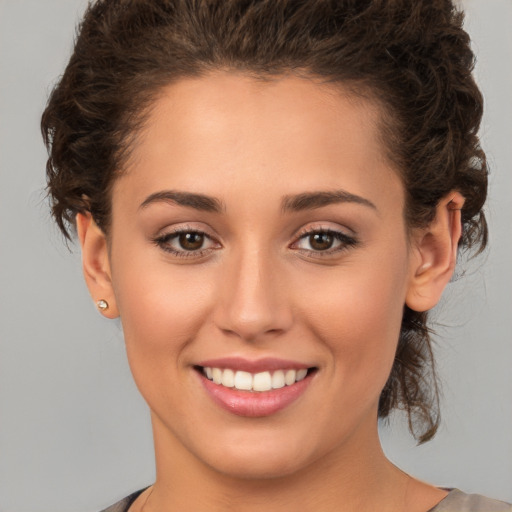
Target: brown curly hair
{"points": [[411, 56]]}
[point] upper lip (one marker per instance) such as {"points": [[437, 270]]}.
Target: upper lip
{"points": [[253, 366]]}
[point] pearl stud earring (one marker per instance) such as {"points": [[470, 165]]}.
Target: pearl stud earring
{"points": [[102, 305]]}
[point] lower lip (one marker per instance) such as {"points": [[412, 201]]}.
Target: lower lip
{"points": [[254, 404]]}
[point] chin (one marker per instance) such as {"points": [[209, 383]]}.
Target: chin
{"points": [[258, 468], [260, 459]]}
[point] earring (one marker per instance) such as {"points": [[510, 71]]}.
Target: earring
{"points": [[102, 305]]}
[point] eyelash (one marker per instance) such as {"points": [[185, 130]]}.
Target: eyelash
{"points": [[163, 241], [345, 241]]}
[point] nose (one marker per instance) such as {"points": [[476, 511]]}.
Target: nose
{"points": [[252, 302]]}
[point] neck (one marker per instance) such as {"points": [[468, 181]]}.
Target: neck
{"points": [[338, 481]]}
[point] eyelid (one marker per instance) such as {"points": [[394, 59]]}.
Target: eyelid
{"points": [[319, 227], [346, 240], [165, 235], [343, 240]]}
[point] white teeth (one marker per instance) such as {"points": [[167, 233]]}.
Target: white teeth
{"points": [[301, 374], [289, 377], [243, 380], [228, 378], [263, 381], [217, 375], [278, 379]]}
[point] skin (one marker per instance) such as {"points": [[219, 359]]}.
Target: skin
{"points": [[261, 289]]}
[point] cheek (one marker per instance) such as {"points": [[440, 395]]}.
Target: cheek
{"points": [[358, 317], [161, 309], [161, 313]]}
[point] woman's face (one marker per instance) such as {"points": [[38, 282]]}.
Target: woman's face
{"points": [[259, 231]]}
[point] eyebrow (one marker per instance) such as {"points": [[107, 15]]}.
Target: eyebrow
{"points": [[292, 203], [188, 199], [312, 200]]}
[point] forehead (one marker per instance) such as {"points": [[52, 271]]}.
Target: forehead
{"points": [[226, 130], [291, 106]]}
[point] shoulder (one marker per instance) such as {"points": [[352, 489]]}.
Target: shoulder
{"points": [[125, 503], [458, 501], [455, 501]]}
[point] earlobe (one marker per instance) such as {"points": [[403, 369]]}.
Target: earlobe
{"points": [[96, 264], [435, 254]]}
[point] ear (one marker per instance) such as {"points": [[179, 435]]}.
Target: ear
{"points": [[435, 254], [95, 263]]}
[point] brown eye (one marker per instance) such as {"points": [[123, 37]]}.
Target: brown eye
{"points": [[191, 241], [324, 243], [187, 243], [321, 241]]}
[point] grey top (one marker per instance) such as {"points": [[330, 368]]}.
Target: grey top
{"points": [[458, 501], [455, 501]]}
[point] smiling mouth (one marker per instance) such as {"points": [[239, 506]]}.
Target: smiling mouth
{"points": [[254, 382]]}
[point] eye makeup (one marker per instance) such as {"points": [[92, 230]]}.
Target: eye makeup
{"points": [[186, 242], [314, 242], [323, 242]]}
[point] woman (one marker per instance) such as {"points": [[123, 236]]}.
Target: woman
{"points": [[271, 196]]}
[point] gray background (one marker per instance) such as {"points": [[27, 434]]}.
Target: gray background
{"points": [[75, 434]]}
